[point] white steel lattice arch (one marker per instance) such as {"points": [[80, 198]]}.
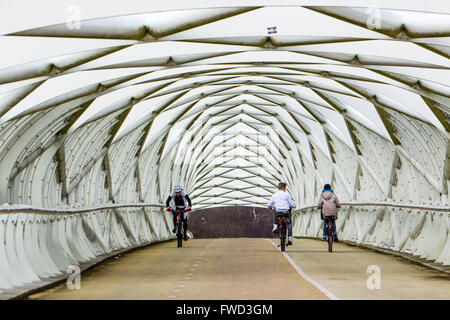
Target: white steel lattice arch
{"points": [[130, 104]]}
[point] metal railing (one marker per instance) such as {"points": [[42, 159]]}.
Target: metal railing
{"points": [[416, 229], [387, 204], [68, 211]]}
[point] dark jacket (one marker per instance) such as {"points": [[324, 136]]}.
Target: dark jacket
{"points": [[179, 200]]}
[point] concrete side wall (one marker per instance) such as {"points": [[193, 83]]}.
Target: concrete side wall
{"points": [[34, 247]]}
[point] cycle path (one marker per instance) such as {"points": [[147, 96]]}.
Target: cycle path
{"points": [[203, 269], [248, 268]]}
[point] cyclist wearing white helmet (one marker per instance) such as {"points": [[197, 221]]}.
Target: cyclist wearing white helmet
{"points": [[179, 198]]}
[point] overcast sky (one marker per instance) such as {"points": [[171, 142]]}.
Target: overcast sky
{"points": [[17, 15]]}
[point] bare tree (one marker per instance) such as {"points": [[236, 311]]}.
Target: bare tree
{"points": [[231, 222]]}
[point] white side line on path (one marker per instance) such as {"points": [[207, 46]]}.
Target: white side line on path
{"points": [[304, 275]]}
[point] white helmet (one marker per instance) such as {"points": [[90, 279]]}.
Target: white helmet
{"points": [[177, 188]]}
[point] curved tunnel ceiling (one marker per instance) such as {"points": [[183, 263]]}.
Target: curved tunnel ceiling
{"points": [[122, 108]]}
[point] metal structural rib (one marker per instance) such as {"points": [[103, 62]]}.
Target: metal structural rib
{"points": [[226, 100]]}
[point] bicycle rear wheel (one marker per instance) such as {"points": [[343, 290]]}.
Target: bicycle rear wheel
{"points": [[179, 235], [283, 238], [330, 242]]}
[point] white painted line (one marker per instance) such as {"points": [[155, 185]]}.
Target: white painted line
{"points": [[176, 290], [195, 265], [187, 278], [171, 297], [190, 274], [180, 286], [305, 276]]}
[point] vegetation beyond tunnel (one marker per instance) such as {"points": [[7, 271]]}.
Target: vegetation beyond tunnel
{"points": [[231, 222]]}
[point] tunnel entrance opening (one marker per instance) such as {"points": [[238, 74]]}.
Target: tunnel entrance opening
{"points": [[231, 222]]}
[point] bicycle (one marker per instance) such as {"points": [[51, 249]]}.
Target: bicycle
{"points": [[179, 224], [282, 227], [329, 229]]}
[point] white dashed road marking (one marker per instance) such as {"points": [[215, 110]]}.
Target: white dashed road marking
{"points": [[304, 275]]}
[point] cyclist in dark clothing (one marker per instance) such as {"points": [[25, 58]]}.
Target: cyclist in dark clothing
{"points": [[179, 198]]}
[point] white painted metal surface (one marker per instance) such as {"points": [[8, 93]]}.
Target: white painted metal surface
{"points": [[137, 99], [418, 230], [124, 107]]}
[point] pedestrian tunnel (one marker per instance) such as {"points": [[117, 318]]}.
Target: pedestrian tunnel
{"points": [[104, 112]]}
